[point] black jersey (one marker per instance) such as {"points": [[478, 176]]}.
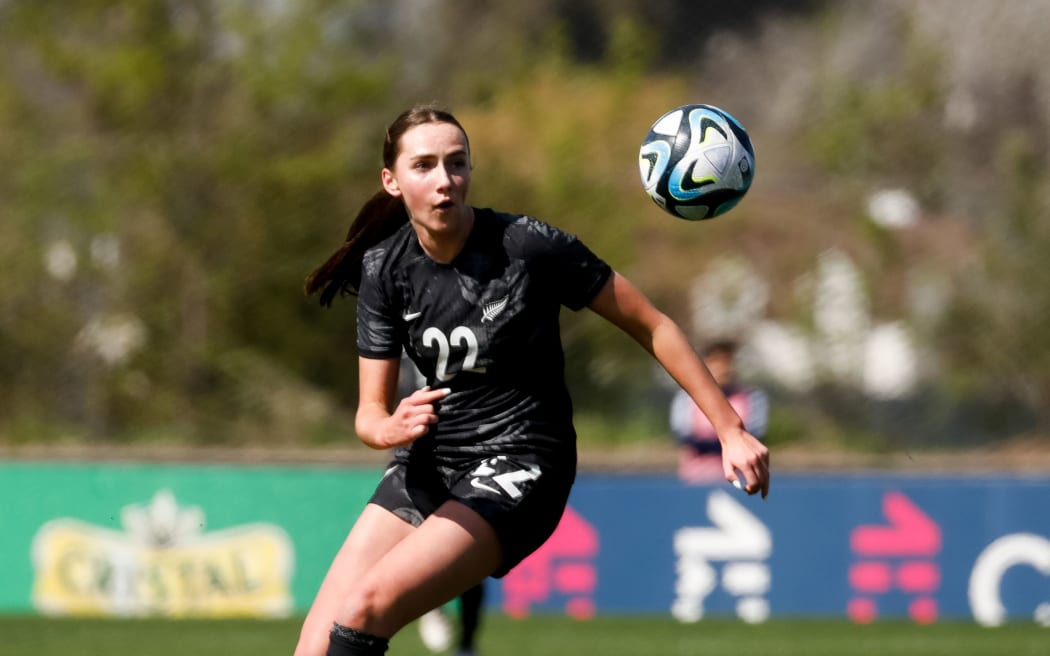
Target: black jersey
{"points": [[486, 326]]}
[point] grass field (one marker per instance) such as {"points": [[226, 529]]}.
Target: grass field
{"points": [[536, 636]]}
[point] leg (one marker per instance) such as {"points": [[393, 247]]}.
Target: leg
{"points": [[470, 617], [450, 552], [374, 534]]}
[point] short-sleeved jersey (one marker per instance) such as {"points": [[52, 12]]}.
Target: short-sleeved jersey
{"points": [[485, 326]]}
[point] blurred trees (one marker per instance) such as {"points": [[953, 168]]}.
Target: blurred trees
{"points": [[209, 144], [172, 170]]}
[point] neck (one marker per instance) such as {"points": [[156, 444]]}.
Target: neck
{"points": [[444, 245]]}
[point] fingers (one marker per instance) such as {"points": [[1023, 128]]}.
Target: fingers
{"points": [[426, 395], [420, 405], [756, 477], [750, 473], [751, 481], [416, 412]]}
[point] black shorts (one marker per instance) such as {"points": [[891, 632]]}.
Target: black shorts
{"points": [[521, 498]]}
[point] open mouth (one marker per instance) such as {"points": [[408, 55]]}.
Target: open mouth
{"points": [[445, 205]]}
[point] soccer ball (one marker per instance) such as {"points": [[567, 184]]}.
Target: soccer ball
{"points": [[696, 162]]}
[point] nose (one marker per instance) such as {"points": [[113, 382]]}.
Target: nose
{"points": [[444, 176]]}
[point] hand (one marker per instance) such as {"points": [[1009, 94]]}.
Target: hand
{"points": [[744, 453], [413, 416]]}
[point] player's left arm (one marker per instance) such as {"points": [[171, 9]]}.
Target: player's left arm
{"points": [[625, 306]]}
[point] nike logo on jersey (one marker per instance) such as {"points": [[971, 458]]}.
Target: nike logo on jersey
{"points": [[492, 310], [409, 316]]}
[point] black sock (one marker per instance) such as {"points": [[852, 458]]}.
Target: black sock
{"points": [[344, 641], [470, 615]]}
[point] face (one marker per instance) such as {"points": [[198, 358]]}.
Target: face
{"points": [[720, 364], [432, 176]]}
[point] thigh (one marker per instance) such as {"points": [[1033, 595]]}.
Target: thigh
{"points": [[453, 550], [373, 535], [412, 492]]}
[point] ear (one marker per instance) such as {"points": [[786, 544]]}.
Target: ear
{"points": [[390, 183]]}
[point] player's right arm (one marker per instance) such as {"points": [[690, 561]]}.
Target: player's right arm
{"points": [[379, 423]]}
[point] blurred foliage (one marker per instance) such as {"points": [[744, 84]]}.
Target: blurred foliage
{"points": [[172, 170]]}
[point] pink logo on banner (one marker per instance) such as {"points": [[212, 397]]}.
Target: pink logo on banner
{"points": [[899, 555], [562, 566]]}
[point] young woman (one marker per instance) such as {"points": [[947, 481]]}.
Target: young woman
{"points": [[485, 455]]}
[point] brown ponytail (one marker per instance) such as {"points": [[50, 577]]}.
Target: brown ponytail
{"points": [[378, 218]]}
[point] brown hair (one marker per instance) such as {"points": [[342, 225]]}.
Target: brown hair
{"points": [[379, 217], [727, 347]]}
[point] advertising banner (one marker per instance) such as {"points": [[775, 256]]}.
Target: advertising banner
{"points": [[861, 546], [217, 541], [171, 540]]}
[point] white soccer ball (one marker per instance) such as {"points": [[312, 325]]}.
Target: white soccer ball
{"points": [[697, 162]]}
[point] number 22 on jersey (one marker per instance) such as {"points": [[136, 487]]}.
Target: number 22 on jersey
{"points": [[460, 338]]}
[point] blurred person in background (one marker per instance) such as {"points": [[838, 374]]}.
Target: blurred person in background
{"points": [[485, 454], [699, 449]]}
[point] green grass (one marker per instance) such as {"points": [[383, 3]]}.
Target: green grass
{"points": [[536, 636]]}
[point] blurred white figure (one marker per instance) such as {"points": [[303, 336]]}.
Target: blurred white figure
{"points": [[728, 298], [435, 629], [890, 368], [894, 208]]}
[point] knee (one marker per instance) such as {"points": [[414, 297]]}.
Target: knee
{"points": [[368, 609]]}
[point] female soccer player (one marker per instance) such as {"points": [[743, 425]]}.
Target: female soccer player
{"points": [[485, 455]]}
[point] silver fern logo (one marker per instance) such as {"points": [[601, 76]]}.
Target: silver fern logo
{"points": [[492, 310]]}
